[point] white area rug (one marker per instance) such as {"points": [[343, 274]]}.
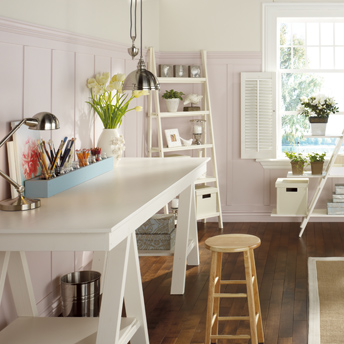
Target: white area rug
{"points": [[326, 300]]}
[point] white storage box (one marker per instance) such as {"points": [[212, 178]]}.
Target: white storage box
{"points": [[339, 189], [205, 201], [292, 196], [335, 208]]}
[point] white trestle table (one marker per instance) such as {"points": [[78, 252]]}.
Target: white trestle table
{"points": [[100, 215]]}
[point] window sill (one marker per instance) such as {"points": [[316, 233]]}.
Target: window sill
{"points": [[284, 164], [275, 164]]}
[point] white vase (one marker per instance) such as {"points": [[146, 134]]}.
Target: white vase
{"points": [[172, 104], [112, 143]]}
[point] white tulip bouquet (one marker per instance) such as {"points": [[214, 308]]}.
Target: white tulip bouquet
{"points": [[108, 99]]}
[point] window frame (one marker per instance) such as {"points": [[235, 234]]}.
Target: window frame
{"points": [[271, 13]]}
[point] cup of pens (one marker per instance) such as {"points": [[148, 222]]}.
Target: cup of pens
{"points": [[83, 155], [53, 162]]}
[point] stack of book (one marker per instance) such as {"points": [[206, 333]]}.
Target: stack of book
{"points": [[336, 207]]}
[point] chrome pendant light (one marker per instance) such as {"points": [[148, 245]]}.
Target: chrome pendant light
{"points": [[140, 79]]}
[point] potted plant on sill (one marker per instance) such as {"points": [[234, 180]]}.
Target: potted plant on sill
{"points": [[317, 162], [297, 161], [172, 99], [317, 108]]}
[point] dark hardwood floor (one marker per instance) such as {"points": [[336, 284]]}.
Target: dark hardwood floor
{"points": [[281, 263]]}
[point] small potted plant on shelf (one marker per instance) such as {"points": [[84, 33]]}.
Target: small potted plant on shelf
{"points": [[317, 162], [317, 108], [172, 99], [297, 161]]}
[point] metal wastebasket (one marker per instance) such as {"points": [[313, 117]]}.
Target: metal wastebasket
{"points": [[80, 292]]}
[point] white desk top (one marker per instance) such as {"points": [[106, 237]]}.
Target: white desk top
{"points": [[100, 213]]}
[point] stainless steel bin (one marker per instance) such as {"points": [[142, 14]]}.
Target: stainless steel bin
{"points": [[80, 293]]}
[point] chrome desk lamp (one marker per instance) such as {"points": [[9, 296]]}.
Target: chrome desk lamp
{"points": [[140, 79], [40, 121]]}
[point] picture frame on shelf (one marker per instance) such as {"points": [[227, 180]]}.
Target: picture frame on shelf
{"points": [[166, 70], [194, 71], [180, 71], [173, 138]]}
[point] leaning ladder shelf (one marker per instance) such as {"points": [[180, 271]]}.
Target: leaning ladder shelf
{"points": [[330, 172], [204, 149]]}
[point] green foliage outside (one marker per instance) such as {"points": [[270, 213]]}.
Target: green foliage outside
{"points": [[172, 94], [295, 86]]}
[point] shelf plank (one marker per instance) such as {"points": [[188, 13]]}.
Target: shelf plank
{"points": [[205, 180], [163, 80], [206, 216], [323, 213], [306, 174], [182, 148], [181, 114], [57, 330], [274, 214], [335, 172], [316, 213]]}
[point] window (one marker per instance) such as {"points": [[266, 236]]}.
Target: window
{"points": [[304, 45], [310, 61]]}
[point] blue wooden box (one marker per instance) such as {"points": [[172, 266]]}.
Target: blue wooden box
{"points": [[41, 188]]}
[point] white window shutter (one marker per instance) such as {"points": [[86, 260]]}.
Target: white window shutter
{"points": [[258, 116]]}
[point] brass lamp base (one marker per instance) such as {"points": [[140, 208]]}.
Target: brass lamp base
{"points": [[19, 203]]}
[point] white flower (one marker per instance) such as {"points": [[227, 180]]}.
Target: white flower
{"points": [[138, 108], [304, 99], [320, 98], [117, 85], [331, 101], [91, 83], [193, 99], [121, 77], [97, 90], [300, 109], [110, 87], [103, 78], [138, 94]]}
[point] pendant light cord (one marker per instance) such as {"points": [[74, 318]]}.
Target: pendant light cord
{"points": [[131, 20], [141, 32]]}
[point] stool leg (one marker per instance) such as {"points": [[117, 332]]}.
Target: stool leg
{"points": [[250, 298], [217, 289], [211, 290], [256, 299]]}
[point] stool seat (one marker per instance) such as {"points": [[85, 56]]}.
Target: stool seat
{"points": [[232, 243]]}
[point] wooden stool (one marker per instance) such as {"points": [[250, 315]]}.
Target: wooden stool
{"points": [[229, 243]]}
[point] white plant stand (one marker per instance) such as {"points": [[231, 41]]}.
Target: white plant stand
{"points": [[205, 149], [329, 172]]}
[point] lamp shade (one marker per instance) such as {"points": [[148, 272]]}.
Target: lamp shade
{"points": [[45, 121], [141, 79]]}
